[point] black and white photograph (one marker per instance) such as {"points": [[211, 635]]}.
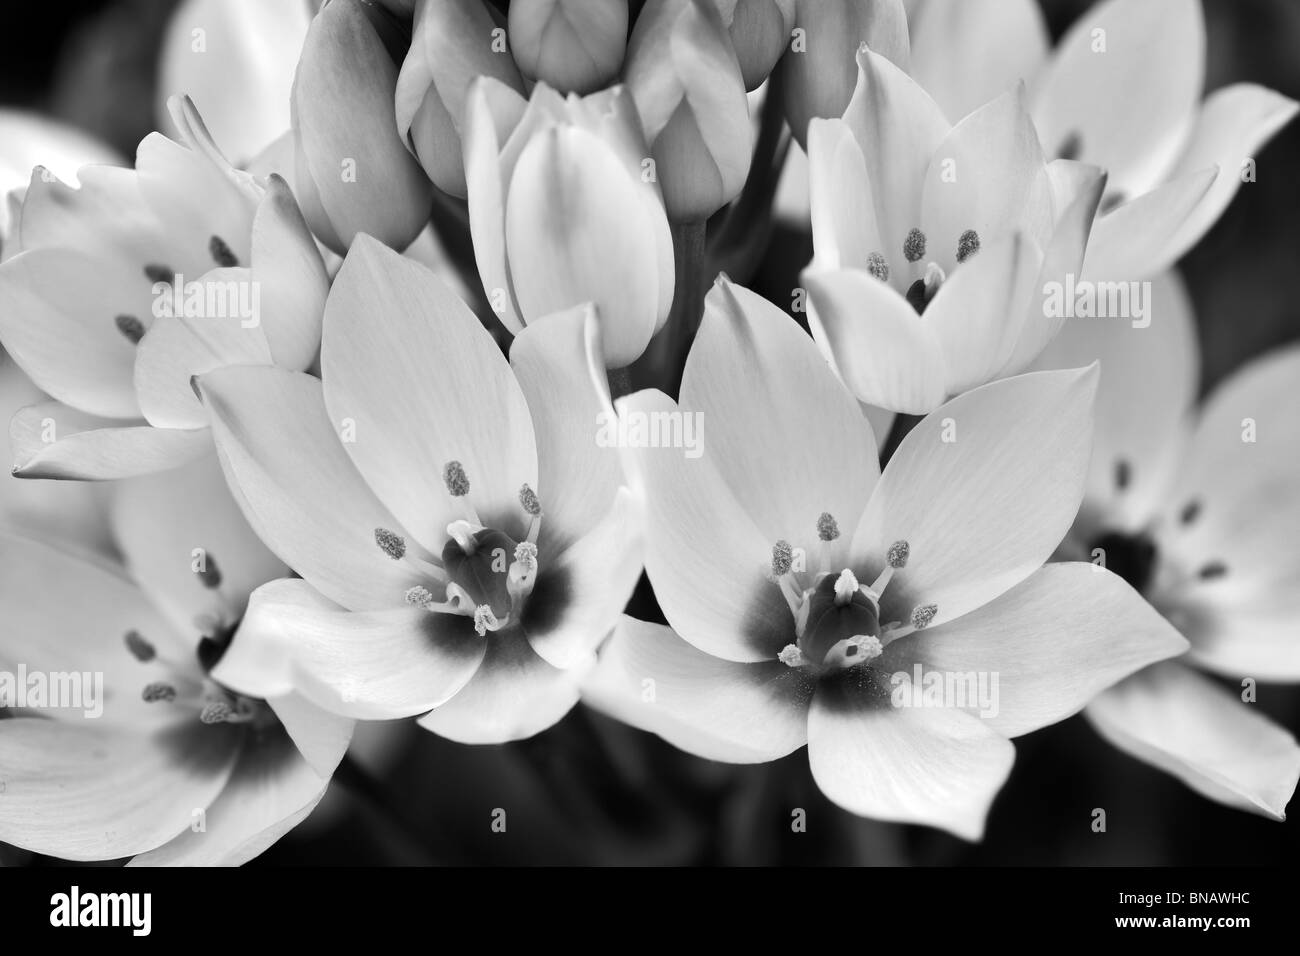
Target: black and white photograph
{"points": [[652, 434]]}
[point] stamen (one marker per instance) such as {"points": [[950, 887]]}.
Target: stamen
{"points": [[878, 267], [391, 543], [968, 243], [159, 273], [209, 574], [158, 691], [828, 528], [914, 245], [523, 572], [898, 553], [1191, 511], [221, 253], [782, 558], [526, 554], [923, 615], [454, 477], [791, 656], [131, 327], [485, 620], [419, 596], [216, 712], [140, 649], [529, 501], [846, 585], [1215, 569], [868, 648]]}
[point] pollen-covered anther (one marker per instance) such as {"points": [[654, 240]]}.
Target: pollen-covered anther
{"points": [[131, 328], [221, 253], [158, 691], [878, 267], [485, 620], [526, 555], [210, 573], [923, 614], [140, 648], [914, 245], [391, 543], [897, 555], [828, 529], [968, 243], [529, 501], [782, 558], [846, 585], [419, 596], [791, 656], [216, 712], [862, 648], [454, 477]]}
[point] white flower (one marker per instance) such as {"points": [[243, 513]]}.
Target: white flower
{"points": [[783, 557], [1198, 509]]}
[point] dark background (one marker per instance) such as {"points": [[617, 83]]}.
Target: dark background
{"points": [[597, 792]]}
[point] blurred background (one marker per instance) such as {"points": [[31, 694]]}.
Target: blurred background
{"points": [[592, 791]]}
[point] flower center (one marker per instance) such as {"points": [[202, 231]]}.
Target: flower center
{"points": [[922, 290]]}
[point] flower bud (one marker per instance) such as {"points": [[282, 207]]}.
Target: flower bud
{"points": [[563, 211], [573, 45], [453, 42], [760, 31], [821, 69], [352, 172], [690, 95]]}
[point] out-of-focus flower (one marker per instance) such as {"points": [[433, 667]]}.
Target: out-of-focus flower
{"points": [[354, 172], [686, 80], [1123, 91], [819, 70], [153, 758], [963, 223], [235, 59], [760, 32], [126, 287], [564, 209], [1197, 509], [574, 45], [454, 42], [462, 539], [31, 140], [814, 596]]}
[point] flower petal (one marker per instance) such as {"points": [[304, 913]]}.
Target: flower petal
{"points": [[424, 387], [370, 665], [1182, 723], [841, 202], [965, 54], [1046, 647], [514, 694], [933, 765], [1122, 89], [651, 679], [983, 489], [884, 352], [297, 487], [291, 277], [51, 440], [1137, 239], [706, 558]]}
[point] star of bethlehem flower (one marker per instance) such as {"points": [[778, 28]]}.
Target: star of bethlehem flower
{"points": [[123, 289], [932, 242], [462, 538], [1197, 508], [799, 581], [156, 759], [564, 211], [1123, 91]]}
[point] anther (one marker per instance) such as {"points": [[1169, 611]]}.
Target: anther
{"points": [[782, 558], [159, 273], [529, 501], [140, 649], [1070, 147], [898, 553], [419, 596], [1215, 569], [791, 656], [878, 267], [828, 528], [130, 327], [391, 543], [209, 574], [1123, 474], [221, 253], [923, 615], [968, 243], [1191, 511], [454, 477], [216, 712], [158, 691], [485, 620], [914, 245], [526, 555]]}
